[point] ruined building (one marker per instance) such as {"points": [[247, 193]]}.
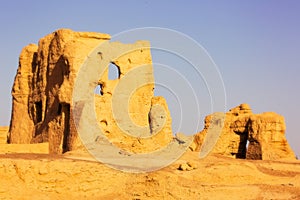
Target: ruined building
{"points": [[43, 90], [248, 135], [42, 93]]}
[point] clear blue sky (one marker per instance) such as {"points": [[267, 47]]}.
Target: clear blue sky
{"points": [[256, 44]]}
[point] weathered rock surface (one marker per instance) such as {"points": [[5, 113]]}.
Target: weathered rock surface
{"points": [[248, 135], [42, 93]]}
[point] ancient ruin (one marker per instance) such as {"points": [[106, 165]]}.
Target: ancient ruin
{"points": [[42, 103], [42, 93], [248, 135]]}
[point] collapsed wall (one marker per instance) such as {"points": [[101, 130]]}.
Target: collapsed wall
{"points": [[43, 86], [248, 135]]}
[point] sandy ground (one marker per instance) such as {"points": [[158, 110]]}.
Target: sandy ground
{"points": [[28, 172], [76, 175]]}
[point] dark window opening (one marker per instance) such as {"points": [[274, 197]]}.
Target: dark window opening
{"points": [[242, 148], [38, 111], [98, 90], [66, 70], [66, 139], [59, 110], [113, 71]]}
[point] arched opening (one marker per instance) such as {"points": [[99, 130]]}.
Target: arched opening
{"points": [[113, 71], [98, 90], [242, 148]]}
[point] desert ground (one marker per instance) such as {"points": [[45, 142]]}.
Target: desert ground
{"points": [[28, 172]]}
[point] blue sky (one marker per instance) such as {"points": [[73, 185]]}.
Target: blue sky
{"points": [[255, 44]]}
